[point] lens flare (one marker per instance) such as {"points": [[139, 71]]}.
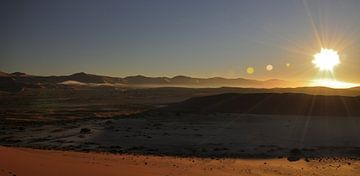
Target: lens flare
{"points": [[269, 67], [250, 70], [326, 59]]}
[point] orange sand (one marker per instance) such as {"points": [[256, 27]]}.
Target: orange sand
{"points": [[31, 162]]}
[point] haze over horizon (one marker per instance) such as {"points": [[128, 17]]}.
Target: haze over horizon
{"points": [[198, 39]]}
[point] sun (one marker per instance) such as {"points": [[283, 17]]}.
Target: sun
{"points": [[326, 59]]}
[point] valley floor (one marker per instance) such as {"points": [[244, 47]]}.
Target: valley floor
{"points": [[197, 135]]}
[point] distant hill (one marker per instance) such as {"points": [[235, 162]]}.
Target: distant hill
{"points": [[272, 103], [80, 77], [18, 74], [139, 79]]}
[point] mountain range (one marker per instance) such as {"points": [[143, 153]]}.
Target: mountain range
{"points": [[17, 81]]}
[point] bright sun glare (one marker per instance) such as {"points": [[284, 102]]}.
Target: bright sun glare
{"points": [[326, 59], [332, 83]]}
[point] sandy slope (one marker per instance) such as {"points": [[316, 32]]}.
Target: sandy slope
{"points": [[20, 161]]}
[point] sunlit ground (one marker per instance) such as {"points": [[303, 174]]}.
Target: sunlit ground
{"points": [[332, 83]]}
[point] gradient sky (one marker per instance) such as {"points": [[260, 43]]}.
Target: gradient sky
{"points": [[201, 38]]}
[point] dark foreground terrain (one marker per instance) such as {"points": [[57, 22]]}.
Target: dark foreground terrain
{"points": [[167, 121]]}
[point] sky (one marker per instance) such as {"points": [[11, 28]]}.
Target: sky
{"points": [[202, 38]]}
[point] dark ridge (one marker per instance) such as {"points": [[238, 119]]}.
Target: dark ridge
{"points": [[18, 74], [271, 103], [9, 84]]}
